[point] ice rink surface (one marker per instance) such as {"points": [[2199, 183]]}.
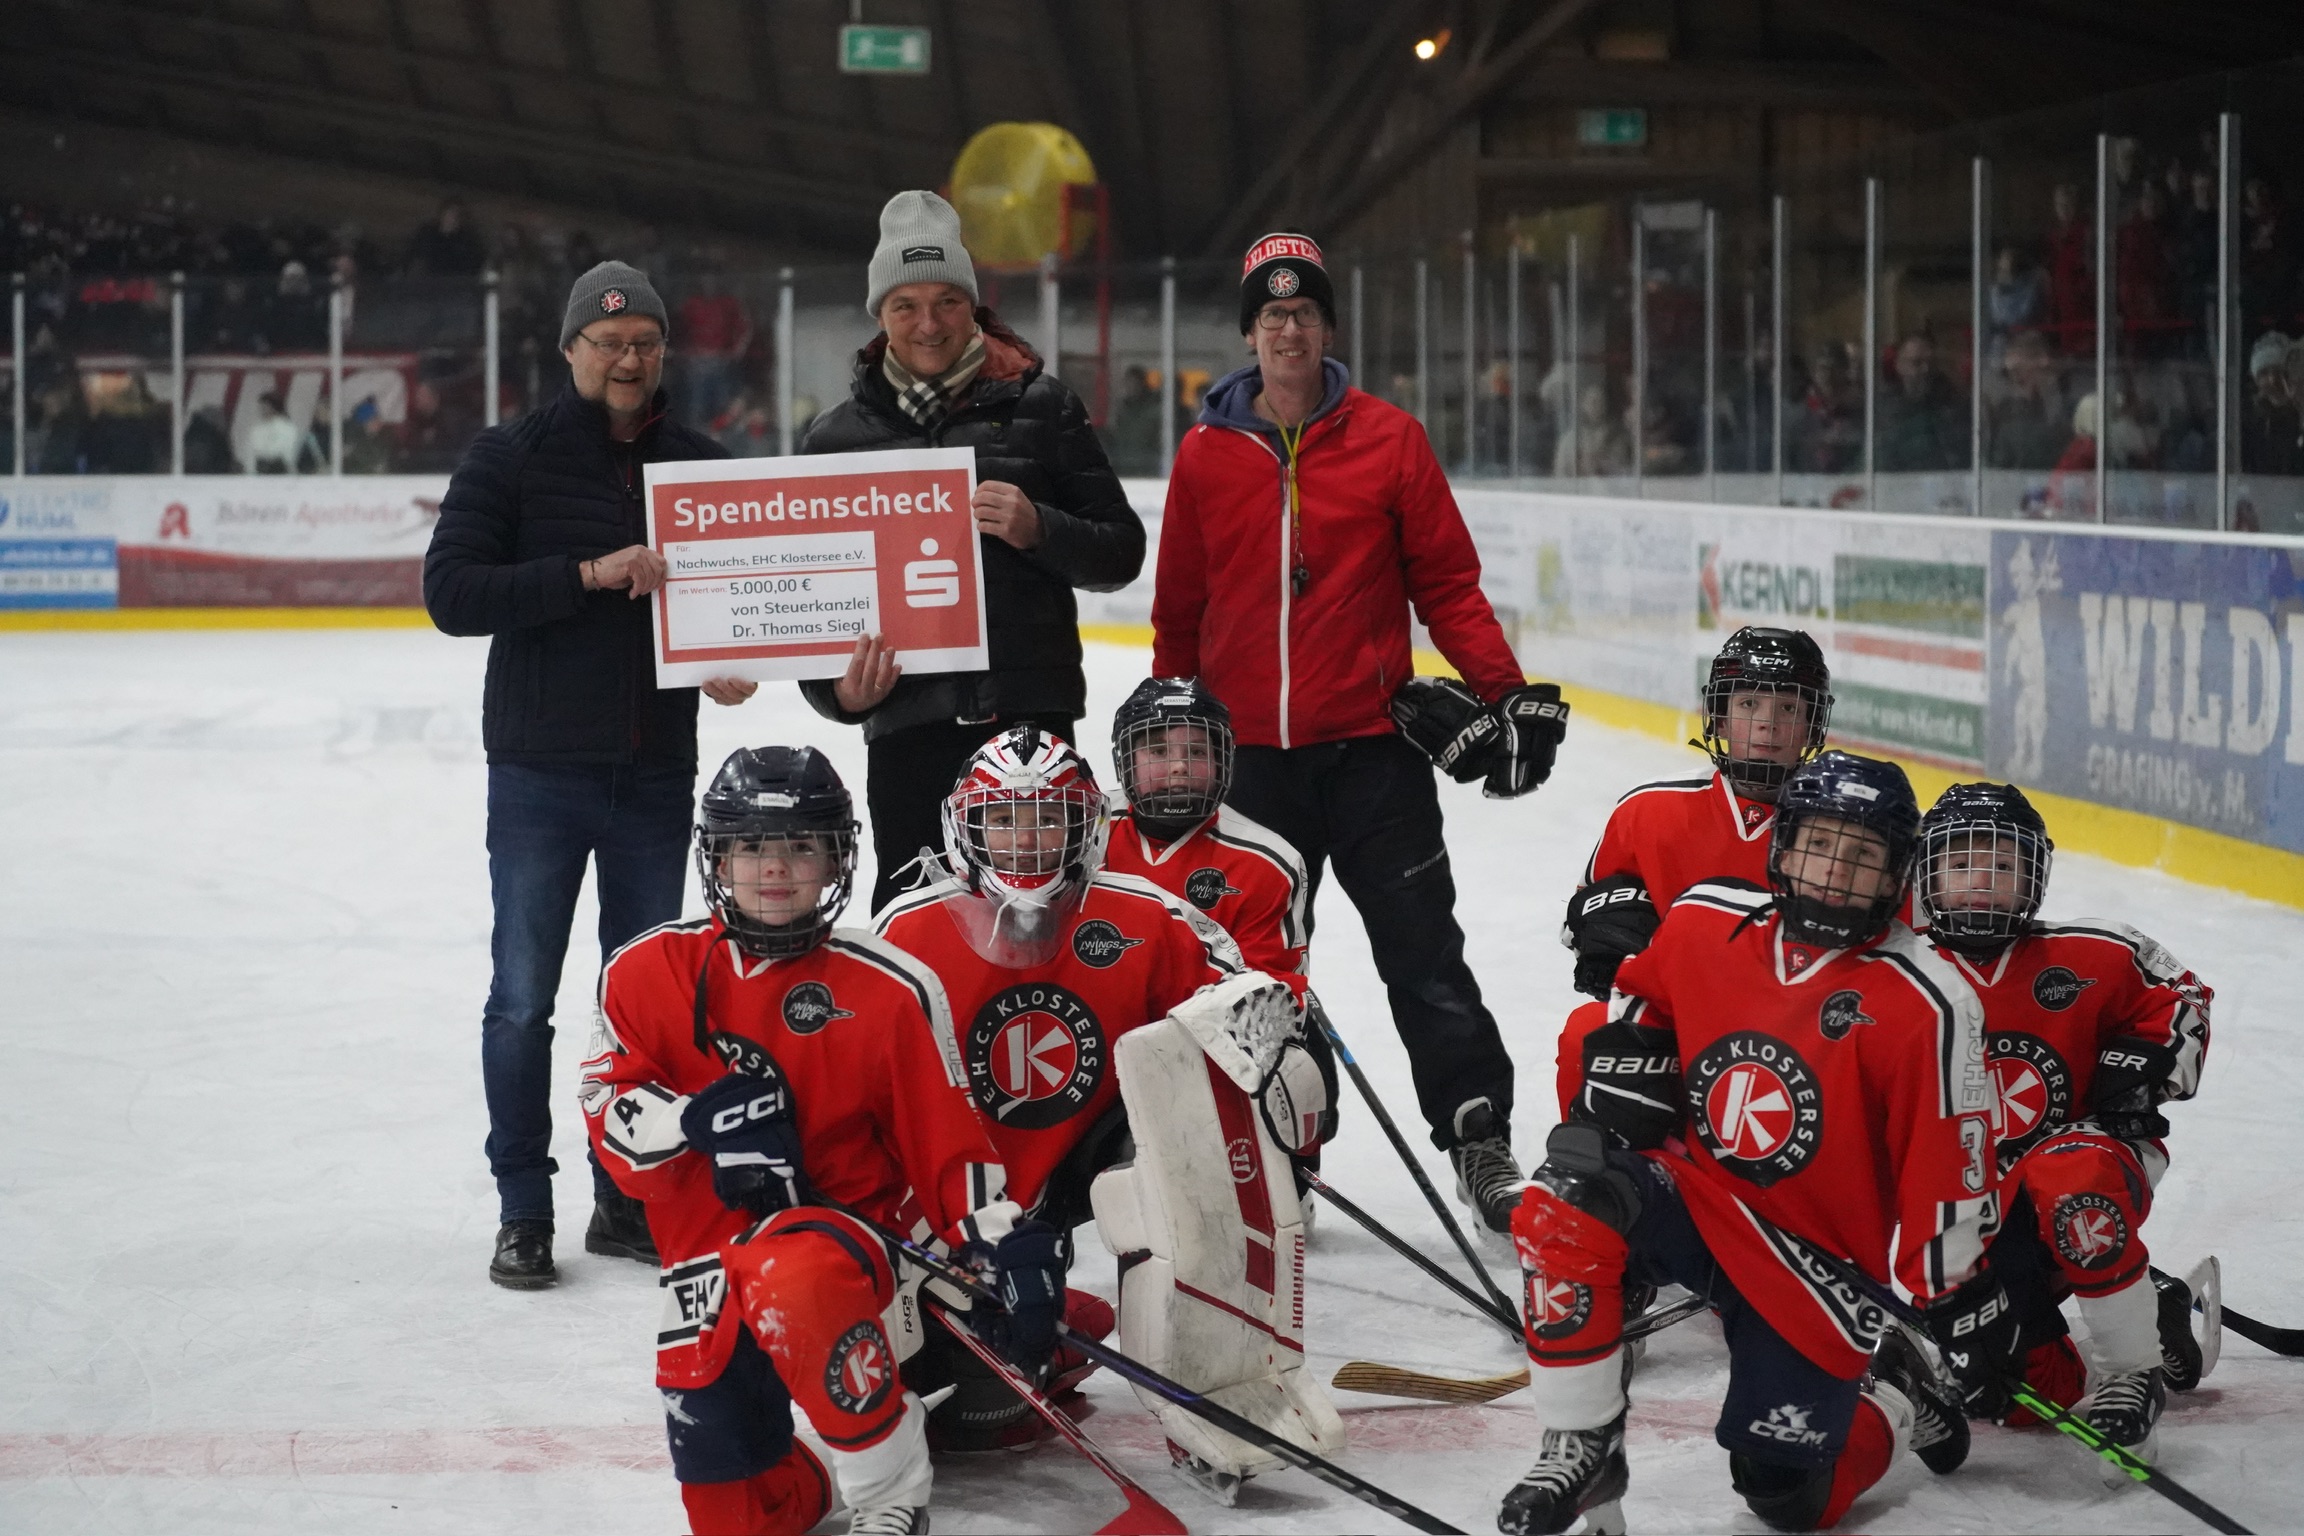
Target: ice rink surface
{"points": [[246, 1219]]}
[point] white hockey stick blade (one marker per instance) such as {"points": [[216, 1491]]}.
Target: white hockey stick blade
{"points": [[2206, 1283]]}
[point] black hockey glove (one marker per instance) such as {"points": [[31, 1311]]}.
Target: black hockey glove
{"points": [[1976, 1330], [1632, 1082], [1026, 1268], [2125, 1095], [1535, 719], [743, 1126], [1448, 723], [1609, 921]]}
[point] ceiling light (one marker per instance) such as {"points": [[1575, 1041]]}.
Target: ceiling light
{"points": [[1430, 48]]}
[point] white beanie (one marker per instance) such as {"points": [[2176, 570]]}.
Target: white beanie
{"points": [[2270, 351], [919, 243]]}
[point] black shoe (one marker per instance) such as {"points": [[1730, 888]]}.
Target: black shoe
{"points": [[1580, 1473], [2125, 1408], [2180, 1358], [1487, 1179], [1939, 1425], [523, 1259], [619, 1230]]}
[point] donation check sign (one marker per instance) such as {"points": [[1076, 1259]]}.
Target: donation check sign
{"points": [[777, 565]]}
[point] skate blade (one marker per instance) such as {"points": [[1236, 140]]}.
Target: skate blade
{"points": [[2206, 1283], [1223, 1487], [1605, 1519]]}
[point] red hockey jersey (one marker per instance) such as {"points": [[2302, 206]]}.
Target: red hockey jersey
{"points": [[1035, 1045], [859, 1031], [1242, 875], [1841, 1095], [1677, 832], [2053, 1000]]}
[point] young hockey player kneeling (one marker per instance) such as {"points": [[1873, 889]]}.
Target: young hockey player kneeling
{"points": [[2089, 1029], [749, 1072], [1798, 1084], [1118, 1055]]}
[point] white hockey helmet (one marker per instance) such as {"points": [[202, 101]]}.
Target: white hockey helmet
{"points": [[1024, 833]]}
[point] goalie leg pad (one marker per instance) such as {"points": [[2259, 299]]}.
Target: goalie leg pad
{"points": [[1211, 1240]]}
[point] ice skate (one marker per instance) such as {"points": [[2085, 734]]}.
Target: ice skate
{"points": [[889, 1520], [1487, 1178], [1939, 1426], [1223, 1487], [2180, 1358], [2125, 1409], [1577, 1483]]}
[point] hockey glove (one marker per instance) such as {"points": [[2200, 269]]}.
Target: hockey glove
{"points": [[1299, 1099], [1535, 719], [1976, 1330], [2124, 1097], [1609, 921], [1026, 1269], [742, 1125], [1448, 723], [1632, 1082]]}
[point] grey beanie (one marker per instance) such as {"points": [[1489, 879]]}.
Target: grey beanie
{"points": [[919, 243], [611, 288]]}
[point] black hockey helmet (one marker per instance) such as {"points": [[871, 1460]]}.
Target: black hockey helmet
{"points": [[1864, 792], [1767, 661], [784, 796], [1984, 830], [1144, 719]]}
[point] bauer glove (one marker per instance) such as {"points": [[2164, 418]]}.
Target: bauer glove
{"points": [[2124, 1096], [1609, 921], [742, 1126], [1535, 719], [1975, 1329], [1447, 722], [1632, 1082], [1026, 1269]]}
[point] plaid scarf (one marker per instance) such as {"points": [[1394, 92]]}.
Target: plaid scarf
{"points": [[929, 401]]}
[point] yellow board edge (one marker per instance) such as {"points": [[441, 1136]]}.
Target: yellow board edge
{"points": [[2124, 837]]}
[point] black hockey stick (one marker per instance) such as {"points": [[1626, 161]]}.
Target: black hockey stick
{"points": [[1176, 1392], [2281, 1341], [1319, 1015], [1392, 1240]]}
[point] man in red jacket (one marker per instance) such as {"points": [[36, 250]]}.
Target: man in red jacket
{"points": [[1304, 518]]}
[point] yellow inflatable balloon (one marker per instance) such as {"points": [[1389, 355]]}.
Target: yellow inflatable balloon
{"points": [[1009, 187]]}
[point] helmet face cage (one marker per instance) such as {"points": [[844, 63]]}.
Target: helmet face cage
{"points": [[1146, 753], [1027, 822], [721, 847], [1981, 881], [1823, 898], [1756, 774]]}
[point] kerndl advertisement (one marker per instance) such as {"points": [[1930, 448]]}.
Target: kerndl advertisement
{"points": [[2160, 676]]}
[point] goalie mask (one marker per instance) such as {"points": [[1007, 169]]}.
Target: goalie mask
{"points": [[776, 848], [1842, 849], [1767, 702], [1024, 833], [1172, 747], [1984, 855]]}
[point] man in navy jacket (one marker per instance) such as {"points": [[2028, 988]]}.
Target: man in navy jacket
{"points": [[542, 547]]}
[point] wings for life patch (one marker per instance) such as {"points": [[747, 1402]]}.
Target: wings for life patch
{"points": [[808, 1007], [1100, 944], [2090, 1231], [1036, 1055], [1206, 887], [2057, 988], [1841, 1012], [1558, 1309], [2031, 1090], [861, 1371], [1757, 1106]]}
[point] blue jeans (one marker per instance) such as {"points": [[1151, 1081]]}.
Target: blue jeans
{"points": [[544, 822]]}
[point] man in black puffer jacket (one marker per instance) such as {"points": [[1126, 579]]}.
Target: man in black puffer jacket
{"points": [[1050, 516], [541, 545]]}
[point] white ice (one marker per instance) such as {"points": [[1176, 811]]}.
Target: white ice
{"points": [[246, 1219]]}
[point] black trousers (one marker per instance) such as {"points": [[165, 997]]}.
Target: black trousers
{"points": [[908, 774], [1369, 806]]}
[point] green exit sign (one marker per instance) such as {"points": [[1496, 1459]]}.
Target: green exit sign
{"points": [[883, 50], [1612, 127]]}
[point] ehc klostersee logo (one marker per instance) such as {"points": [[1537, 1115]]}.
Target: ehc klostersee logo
{"points": [[1206, 887], [861, 1370], [1558, 1309], [1757, 1106], [1035, 1055], [1100, 944], [2090, 1231], [808, 1007], [2031, 1089]]}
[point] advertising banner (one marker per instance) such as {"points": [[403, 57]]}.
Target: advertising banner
{"points": [[2158, 675], [776, 565]]}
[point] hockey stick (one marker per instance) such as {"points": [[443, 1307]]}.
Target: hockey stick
{"points": [[1176, 1392], [1319, 1015], [1478, 1302], [1145, 1515], [1398, 1381], [2281, 1341]]}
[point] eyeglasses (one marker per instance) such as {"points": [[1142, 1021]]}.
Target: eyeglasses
{"points": [[650, 348], [1308, 317]]}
